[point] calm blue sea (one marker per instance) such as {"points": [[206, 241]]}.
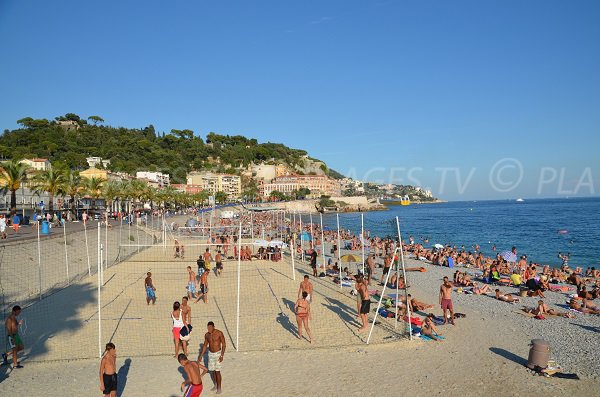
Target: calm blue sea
{"points": [[534, 226]]}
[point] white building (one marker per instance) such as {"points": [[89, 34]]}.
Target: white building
{"points": [[95, 161], [38, 164], [157, 178]]}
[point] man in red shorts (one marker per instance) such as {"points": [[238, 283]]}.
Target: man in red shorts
{"points": [[193, 375], [446, 300]]}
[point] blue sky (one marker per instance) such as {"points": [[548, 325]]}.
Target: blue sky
{"points": [[401, 91]]}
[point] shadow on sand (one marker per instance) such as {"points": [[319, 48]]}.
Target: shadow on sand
{"points": [[509, 356]]}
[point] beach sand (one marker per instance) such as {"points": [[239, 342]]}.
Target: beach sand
{"points": [[483, 353]]}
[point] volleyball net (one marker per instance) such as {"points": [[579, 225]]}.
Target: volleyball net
{"points": [[242, 272]]}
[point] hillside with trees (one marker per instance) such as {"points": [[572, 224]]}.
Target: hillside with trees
{"points": [[69, 139]]}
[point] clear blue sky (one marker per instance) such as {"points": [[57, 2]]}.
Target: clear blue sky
{"points": [[368, 86]]}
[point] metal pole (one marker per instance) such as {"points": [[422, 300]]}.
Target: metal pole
{"points": [[312, 237], [251, 226], [39, 260], [339, 238], [301, 240], [362, 240], [408, 313], [322, 243], [387, 277], [106, 242], [87, 247], [100, 254], [99, 299], [66, 250], [237, 325]]}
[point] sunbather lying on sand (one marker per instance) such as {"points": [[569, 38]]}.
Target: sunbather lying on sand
{"points": [[543, 308], [415, 305], [584, 306], [481, 290], [505, 298]]}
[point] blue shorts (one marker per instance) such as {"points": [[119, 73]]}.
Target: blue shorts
{"points": [[191, 287], [150, 293]]}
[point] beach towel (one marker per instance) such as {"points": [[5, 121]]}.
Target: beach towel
{"points": [[413, 320], [428, 338], [561, 288]]}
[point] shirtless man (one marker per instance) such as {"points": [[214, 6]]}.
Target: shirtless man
{"points": [[108, 371], [417, 306], [370, 267], [194, 371], [219, 263], [214, 340], [207, 258], [543, 308], [191, 285], [446, 300], [307, 286], [505, 298], [203, 288], [15, 344], [365, 302], [186, 312], [387, 261], [150, 289], [477, 290]]}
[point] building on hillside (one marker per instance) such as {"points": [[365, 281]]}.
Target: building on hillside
{"points": [[105, 175], [213, 183], [68, 125], [93, 162], [317, 184], [189, 189], [265, 189], [38, 164], [155, 179]]}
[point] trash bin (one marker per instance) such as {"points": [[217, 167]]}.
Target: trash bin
{"points": [[45, 227], [539, 354]]}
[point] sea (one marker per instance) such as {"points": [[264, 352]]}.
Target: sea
{"points": [[538, 228]]}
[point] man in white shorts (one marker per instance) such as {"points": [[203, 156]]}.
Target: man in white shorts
{"points": [[214, 340]]}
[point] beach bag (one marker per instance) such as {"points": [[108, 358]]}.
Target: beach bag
{"points": [[184, 333]]}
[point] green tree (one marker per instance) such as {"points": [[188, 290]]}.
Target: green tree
{"points": [[51, 181], [12, 174], [93, 187], [220, 197], [72, 187], [96, 119]]}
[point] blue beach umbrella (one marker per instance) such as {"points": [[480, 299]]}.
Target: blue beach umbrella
{"points": [[509, 256]]}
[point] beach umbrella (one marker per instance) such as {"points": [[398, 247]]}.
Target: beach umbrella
{"points": [[438, 246], [261, 243], [349, 258], [509, 256]]}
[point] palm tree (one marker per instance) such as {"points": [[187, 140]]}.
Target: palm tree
{"points": [[110, 191], [93, 187], [12, 174], [51, 181], [72, 187]]}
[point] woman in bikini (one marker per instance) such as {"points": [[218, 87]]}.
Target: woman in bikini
{"points": [[302, 310]]}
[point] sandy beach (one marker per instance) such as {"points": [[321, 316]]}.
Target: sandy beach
{"points": [[484, 353]]}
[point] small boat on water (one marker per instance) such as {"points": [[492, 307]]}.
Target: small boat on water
{"points": [[395, 200], [520, 200]]}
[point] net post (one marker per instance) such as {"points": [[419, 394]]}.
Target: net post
{"points": [[66, 250], [322, 243], [39, 259], [99, 269], [237, 323], [87, 247], [408, 311], [362, 240], [387, 277], [339, 238]]}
